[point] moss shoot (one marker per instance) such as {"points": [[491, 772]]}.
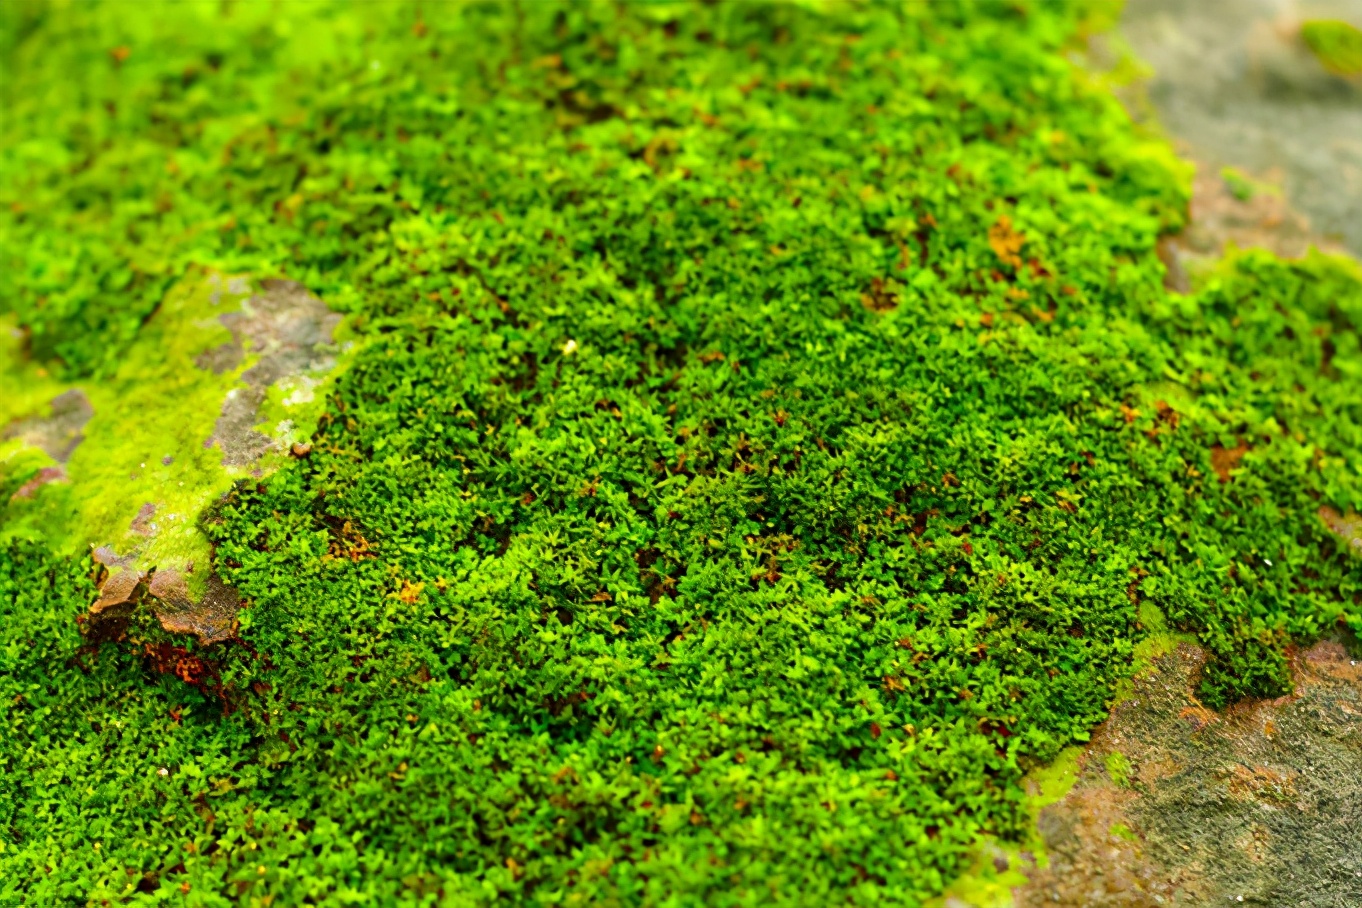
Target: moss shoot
{"points": [[766, 438]]}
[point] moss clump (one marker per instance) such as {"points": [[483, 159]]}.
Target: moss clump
{"points": [[766, 429], [1336, 44], [1118, 768]]}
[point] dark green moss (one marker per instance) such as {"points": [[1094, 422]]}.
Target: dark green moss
{"points": [[766, 427]]}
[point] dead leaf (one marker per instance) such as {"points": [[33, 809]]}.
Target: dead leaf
{"points": [[1224, 459], [118, 593], [1006, 242], [212, 619]]}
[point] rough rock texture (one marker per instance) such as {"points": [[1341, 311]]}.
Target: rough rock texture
{"points": [[290, 330], [1178, 805], [118, 593], [59, 433], [1236, 85]]}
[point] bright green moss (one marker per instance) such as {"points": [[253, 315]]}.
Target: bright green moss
{"points": [[1337, 44], [767, 437], [1118, 768]]}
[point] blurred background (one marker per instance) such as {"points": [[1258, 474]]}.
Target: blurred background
{"points": [[1266, 97]]}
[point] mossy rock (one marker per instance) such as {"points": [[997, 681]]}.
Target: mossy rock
{"points": [[763, 431]]}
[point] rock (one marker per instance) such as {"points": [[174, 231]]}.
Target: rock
{"points": [[59, 433]]}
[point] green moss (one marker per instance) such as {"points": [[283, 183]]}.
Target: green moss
{"points": [[1118, 768], [1123, 832], [1243, 187], [1000, 866], [765, 444], [1337, 44]]}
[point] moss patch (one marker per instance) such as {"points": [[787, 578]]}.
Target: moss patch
{"points": [[147, 458], [1336, 44]]}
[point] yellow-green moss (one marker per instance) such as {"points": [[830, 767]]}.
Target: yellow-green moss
{"points": [[1336, 44], [147, 442]]}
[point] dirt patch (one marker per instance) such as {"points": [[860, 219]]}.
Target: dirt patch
{"points": [[290, 331], [1179, 805]]}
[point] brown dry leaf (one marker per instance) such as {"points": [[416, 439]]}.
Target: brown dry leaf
{"points": [[108, 616], [1006, 242], [212, 619], [880, 298], [1224, 459], [118, 593]]}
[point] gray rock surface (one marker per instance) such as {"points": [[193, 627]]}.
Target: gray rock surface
{"points": [[1235, 85]]}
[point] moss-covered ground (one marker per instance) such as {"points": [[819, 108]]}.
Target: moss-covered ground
{"points": [[767, 436]]}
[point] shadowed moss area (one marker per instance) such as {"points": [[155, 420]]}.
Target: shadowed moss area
{"points": [[766, 428]]}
